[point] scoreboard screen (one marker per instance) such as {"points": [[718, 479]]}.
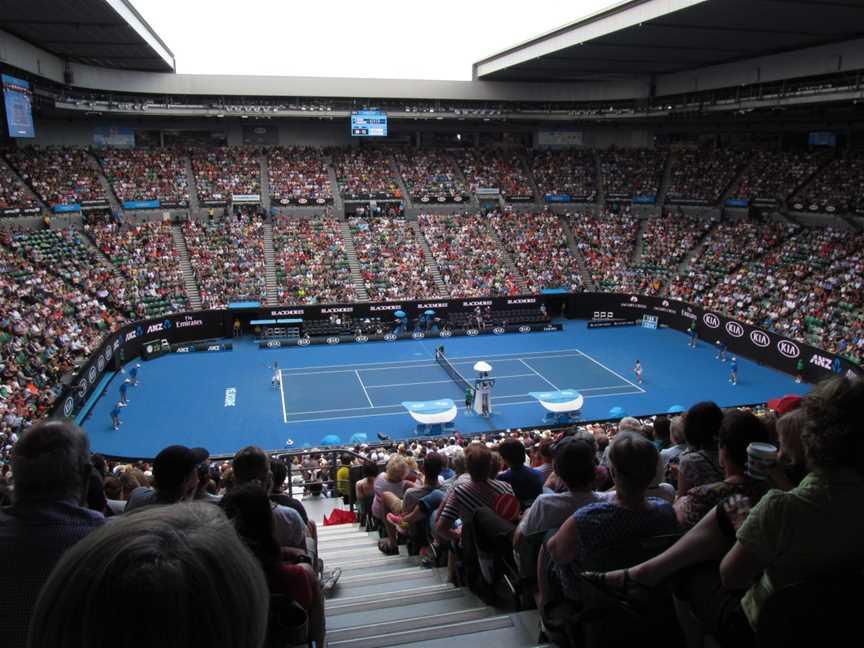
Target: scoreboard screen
{"points": [[368, 123], [19, 107]]}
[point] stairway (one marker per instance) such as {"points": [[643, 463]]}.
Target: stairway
{"points": [[598, 181], [194, 205], [508, 260], [265, 183], [573, 246], [664, 183], [733, 184], [394, 169], [637, 248], [430, 260], [472, 198], [697, 250], [270, 265], [186, 267], [27, 188], [106, 186], [353, 263], [338, 204], [538, 197], [393, 601]]}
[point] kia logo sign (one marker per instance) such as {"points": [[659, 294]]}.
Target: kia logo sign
{"points": [[68, 407], [418, 335], [711, 320], [472, 332], [360, 339], [333, 340], [760, 338], [524, 329], [734, 329], [788, 349], [445, 334], [498, 330], [390, 337]]}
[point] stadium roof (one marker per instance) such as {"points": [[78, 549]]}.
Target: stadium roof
{"points": [[639, 38], [103, 33]]}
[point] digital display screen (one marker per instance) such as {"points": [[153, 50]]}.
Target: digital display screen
{"points": [[369, 123], [823, 138], [19, 107]]}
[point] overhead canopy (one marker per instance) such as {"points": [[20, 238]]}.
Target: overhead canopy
{"points": [[640, 38], [104, 33]]}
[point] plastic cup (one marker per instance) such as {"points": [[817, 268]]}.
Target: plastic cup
{"points": [[760, 457]]}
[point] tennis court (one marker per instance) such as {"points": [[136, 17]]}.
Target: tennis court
{"points": [[376, 389]]}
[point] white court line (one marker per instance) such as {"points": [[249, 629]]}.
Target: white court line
{"points": [[357, 373], [614, 373], [282, 396], [435, 382], [541, 376], [402, 412], [360, 365]]}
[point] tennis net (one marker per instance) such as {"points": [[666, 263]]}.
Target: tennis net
{"points": [[454, 374]]}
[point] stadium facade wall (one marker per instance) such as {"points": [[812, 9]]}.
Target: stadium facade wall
{"points": [[767, 348]]}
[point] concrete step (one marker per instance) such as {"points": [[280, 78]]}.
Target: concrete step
{"points": [[446, 633], [395, 599], [387, 576], [361, 635], [409, 581], [508, 260], [379, 562], [430, 260], [410, 611], [194, 205]]}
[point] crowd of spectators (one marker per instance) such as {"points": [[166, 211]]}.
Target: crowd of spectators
{"points": [[363, 172], [311, 263], [571, 173], [773, 175], [298, 173], [147, 174], [838, 187], [227, 258], [629, 173], [607, 242], [70, 258], [145, 256], [392, 261], [13, 195], [430, 174], [501, 169], [223, 172], [700, 175], [468, 255], [47, 329], [537, 244], [58, 175]]}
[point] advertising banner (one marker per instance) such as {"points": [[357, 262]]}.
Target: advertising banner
{"points": [[141, 204]]}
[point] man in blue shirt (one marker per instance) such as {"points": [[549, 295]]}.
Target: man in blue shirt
{"points": [[115, 416], [527, 483], [51, 468], [133, 375]]}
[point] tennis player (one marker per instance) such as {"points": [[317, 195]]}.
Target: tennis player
{"points": [[277, 376], [637, 369]]}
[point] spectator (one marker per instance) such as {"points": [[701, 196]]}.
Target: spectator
{"points": [[51, 470], [700, 463], [389, 488], [188, 574], [526, 482], [175, 476]]}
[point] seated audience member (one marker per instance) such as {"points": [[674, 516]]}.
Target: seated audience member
{"points": [[738, 430], [365, 488], [677, 442], [343, 480], [251, 464], [628, 515], [279, 469], [50, 472], [175, 478], [787, 537], [700, 463], [430, 494], [575, 461], [168, 576], [389, 488], [546, 457], [660, 433], [248, 507], [466, 496], [791, 465], [526, 482]]}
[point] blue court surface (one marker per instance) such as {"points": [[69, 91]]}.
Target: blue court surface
{"points": [[224, 401]]}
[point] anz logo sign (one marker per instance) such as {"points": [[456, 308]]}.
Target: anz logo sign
{"points": [[734, 329], [711, 320], [820, 361], [788, 349], [760, 338]]}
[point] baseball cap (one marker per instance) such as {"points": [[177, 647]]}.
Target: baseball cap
{"points": [[174, 463], [785, 404]]}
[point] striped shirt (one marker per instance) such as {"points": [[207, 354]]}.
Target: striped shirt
{"points": [[466, 497]]}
